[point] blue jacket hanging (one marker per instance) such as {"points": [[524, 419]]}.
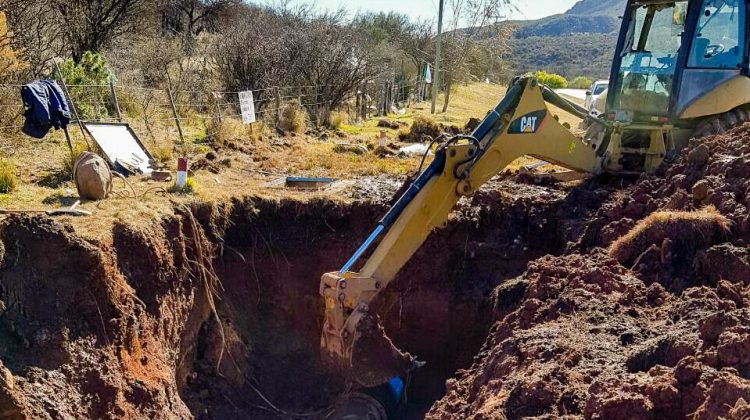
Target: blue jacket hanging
{"points": [[45, 107]]}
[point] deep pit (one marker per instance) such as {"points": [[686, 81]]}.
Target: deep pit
{"points": [[615, 298], [140, 305]]}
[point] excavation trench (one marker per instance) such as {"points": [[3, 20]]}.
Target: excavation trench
{"points": [[143, 328]]}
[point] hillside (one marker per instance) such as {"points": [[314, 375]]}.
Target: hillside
{"points": [[578, 42], [613, 8]]}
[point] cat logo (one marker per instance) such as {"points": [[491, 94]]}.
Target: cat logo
{"points": [[528, 124]]}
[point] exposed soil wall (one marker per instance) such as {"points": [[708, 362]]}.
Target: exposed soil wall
{"points": [[215, 313]]}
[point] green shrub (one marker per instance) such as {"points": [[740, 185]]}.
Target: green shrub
{"points": [[336, 119], [581, 82], [91, 70], [293, 118], [8, 177], [162, 154], [551, 80]]}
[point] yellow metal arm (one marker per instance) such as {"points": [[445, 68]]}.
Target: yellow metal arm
{"points": [[526, 127]]}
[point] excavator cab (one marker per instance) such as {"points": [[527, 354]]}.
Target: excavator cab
{"points": [[674, 59], [680, 71]]}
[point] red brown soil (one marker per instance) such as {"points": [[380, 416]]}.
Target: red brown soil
{"points": [[662, 333]]}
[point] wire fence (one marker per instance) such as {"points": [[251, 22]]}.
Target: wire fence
{"points": [[151, 111]]}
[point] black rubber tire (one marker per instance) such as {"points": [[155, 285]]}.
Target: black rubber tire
{"points": [[721, 123]]}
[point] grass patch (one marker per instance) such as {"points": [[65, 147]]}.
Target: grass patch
{"points": [[697, 229], [69, 160], [337, 119], [293, 118], [8, 177], [191, 187]]}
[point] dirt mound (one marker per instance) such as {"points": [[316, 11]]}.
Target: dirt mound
{"points": [[661, 333], [425, 129]]}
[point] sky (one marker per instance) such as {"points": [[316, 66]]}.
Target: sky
{"points": [[428, 9]]}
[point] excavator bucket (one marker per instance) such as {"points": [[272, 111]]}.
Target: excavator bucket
{"points": [[375, 360], [354, 342]]}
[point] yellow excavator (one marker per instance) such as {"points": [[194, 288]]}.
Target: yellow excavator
{"points": [[680, 71]]}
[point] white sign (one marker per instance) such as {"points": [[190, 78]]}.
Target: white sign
{"points": [[247, 107]]}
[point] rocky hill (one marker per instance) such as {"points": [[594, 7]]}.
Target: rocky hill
{"points": [[579, 42]]}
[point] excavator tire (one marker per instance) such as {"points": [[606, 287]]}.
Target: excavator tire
{"points": [[720, 123]]}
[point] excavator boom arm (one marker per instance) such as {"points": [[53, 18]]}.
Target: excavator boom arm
{"points": [[521, 124]]}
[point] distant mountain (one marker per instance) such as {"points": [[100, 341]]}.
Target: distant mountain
{"points": [[579, 42], [613, 8]]}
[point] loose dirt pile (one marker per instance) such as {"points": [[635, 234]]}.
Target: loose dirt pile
{"points": [[644, 316]]}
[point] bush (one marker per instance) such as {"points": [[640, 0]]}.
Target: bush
{"points": [[551, 80], [336, 119], [91, 71], [8, 177], [581, 82], [293, 118], [162, 154]]}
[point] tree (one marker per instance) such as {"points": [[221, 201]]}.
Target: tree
{"points": [[90, 25], [469, 27], [39, 41], [10, 62], [193, 17], [296, 47]]}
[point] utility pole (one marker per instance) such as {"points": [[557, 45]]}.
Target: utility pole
{"points": [[436, 75]]}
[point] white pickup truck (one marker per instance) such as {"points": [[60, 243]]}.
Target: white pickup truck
{"points": [[594, 94]]}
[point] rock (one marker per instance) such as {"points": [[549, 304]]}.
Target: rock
{"points": [[700, 190], [388, 124], [699, 156], [688, 371]]}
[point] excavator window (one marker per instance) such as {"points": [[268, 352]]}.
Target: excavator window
{"points": [[719, 39], [649, 60]]}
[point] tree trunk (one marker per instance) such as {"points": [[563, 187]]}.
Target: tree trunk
{"points": [[448, 84]]}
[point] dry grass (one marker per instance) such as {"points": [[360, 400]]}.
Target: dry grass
{"points": [[40, 185], [698, 229], [337, 119], [69, 160], [293, 118], [233, 131]]}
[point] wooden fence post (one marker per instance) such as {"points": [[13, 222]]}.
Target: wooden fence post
{"points": [[218, 106], [278, 105], [115, 102], [174, 109]]}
